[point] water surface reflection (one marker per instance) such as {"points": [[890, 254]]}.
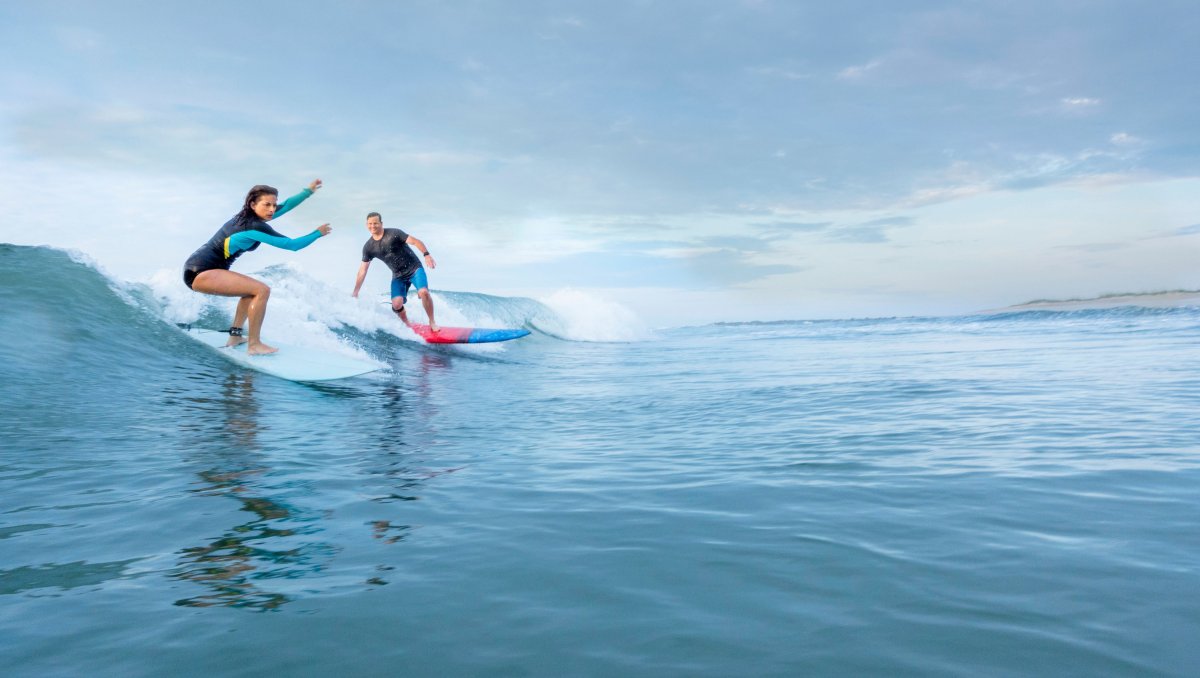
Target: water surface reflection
{"points": [[308, 476], [239, 568]]}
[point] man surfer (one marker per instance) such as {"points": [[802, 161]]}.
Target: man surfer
{"points": [[207, 270], [390, 245]]}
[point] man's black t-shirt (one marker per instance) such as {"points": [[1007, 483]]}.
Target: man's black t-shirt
{"points": [[392, 250]]}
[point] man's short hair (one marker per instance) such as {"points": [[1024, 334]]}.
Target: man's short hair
{"points": [[375, 214]]}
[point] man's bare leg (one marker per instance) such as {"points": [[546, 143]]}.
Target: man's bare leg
{"points": [[398, 309], [427, 302]]}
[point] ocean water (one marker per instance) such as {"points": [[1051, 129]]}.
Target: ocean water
{"points": [[1003, 495]]}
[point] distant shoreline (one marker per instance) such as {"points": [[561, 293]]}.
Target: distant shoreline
{"points": [[1146, 299]]}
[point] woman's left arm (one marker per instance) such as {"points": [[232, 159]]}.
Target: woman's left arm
{"points": [[291, 203]]}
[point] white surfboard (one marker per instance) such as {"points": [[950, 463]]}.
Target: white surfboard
{"points": [[297, 363]]}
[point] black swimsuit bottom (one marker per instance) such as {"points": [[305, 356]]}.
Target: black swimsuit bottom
{"points": [[197, 264]]}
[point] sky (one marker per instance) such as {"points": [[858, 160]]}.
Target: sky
{"points": [[694, 161]]}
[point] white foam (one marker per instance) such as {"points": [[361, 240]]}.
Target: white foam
{"points": [[584, 317], [178, 304], [304, 311], [301, 310]]}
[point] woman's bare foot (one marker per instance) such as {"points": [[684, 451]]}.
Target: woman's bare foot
{"points": [[260, 349], [235, 341], [434, 328]]}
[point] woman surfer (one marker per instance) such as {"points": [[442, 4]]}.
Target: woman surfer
{"points": [[207, 270]]}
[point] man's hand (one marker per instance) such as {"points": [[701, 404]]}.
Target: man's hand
{"points": [[316, 183]]}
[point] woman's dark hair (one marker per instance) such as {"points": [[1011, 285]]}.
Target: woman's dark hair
{"points": [[252, 197]]}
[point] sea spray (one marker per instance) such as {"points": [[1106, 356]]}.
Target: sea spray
{"points": [[580, 316]]}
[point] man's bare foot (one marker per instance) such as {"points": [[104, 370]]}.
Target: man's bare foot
{"points": [[235, 341], [434, 328], [260, 349]]}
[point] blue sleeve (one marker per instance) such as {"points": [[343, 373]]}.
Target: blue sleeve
{"points": [[242, 241], [290, 204]]}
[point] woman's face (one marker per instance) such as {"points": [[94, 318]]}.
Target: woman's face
{"points": [[264, 207]]}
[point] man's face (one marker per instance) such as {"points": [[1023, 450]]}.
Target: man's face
{"points": [[375, 226]]}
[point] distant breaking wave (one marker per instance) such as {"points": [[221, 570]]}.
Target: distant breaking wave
{"points": [[1165, 299]]}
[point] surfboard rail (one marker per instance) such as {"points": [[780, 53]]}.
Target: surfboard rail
{"points": [[465, 335]]}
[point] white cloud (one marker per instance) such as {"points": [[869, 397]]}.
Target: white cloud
{"points": [[931, 196], [1124, 139], [785, 72], [856, 72], [79, 39], [682, 252]]}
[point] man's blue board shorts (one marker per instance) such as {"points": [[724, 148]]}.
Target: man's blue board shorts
{"points": [[418, 280]]}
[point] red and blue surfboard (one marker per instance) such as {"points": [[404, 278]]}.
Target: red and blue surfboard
{"points": [[465, 335]]}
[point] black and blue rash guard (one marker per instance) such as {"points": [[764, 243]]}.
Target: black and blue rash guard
{"points": [[243, 235]]}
